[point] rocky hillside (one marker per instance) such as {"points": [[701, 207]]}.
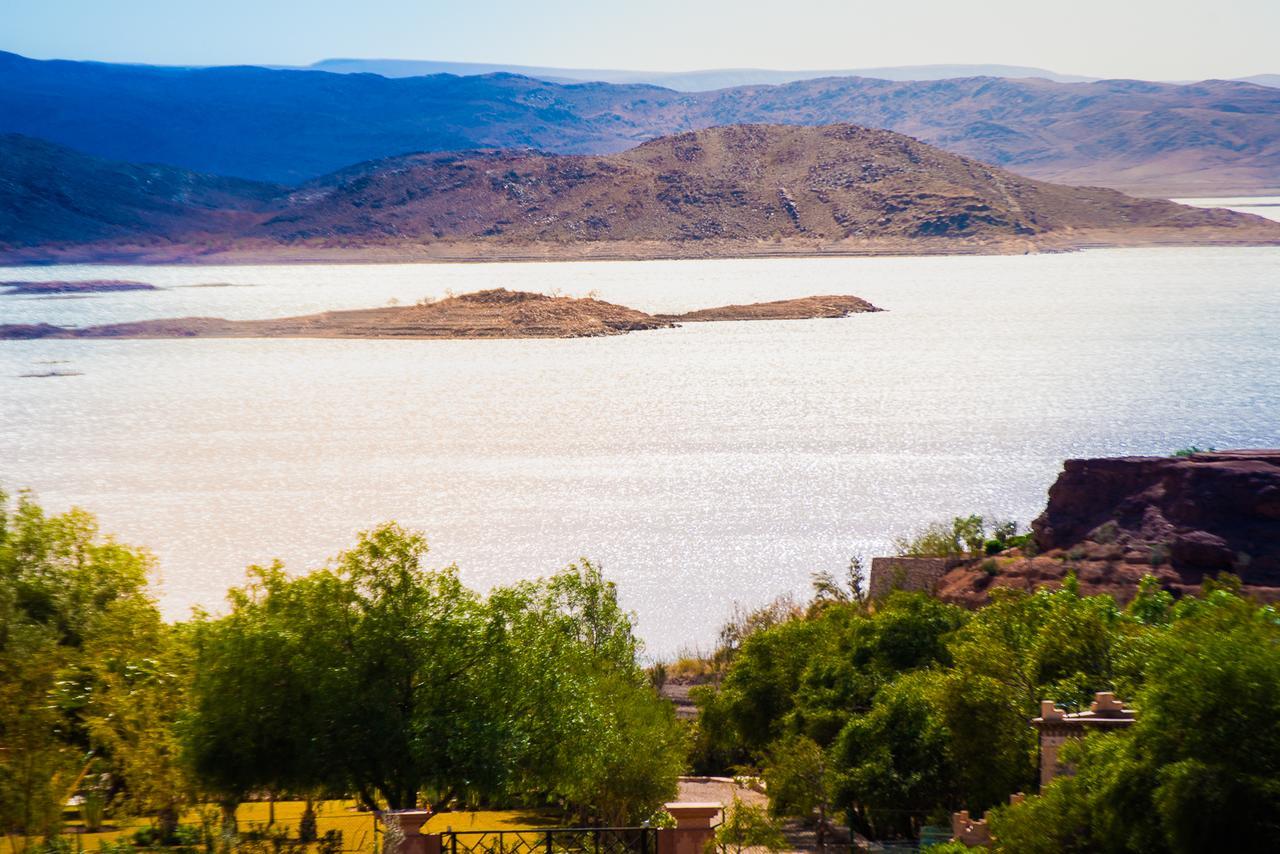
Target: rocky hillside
{"points": [[1181, 519], [753, 182], [753, 189], [1207, 138], [53, 195]]}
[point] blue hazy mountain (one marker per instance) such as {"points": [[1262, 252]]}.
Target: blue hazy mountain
{"points": [[288, 126]]}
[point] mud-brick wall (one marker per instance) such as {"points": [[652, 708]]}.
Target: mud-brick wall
{"points": [[906, 573]]}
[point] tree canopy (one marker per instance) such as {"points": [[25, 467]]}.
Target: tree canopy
{"points": [[373, 676], [381, 677]]}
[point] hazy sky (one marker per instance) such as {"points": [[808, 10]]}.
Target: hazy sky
{"points": [[1153, 39]]}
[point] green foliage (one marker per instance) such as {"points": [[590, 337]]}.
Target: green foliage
{"points": [[89, 683], [805, 676], [381, 677], [746, 826], [801, 782], [894, 758], [963, 535], [1199, 769]]}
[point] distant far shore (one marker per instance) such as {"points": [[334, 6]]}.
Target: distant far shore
{"points": [[626, 250]]}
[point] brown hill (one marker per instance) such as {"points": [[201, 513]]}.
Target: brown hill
{"points": [[738, 190], [497, 313], [752, 182]]}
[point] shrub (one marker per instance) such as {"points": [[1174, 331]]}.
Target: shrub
{"points": [[1106, 533], [746, 826]]}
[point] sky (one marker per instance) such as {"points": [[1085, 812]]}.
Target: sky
{"points": [[1146, 39]]}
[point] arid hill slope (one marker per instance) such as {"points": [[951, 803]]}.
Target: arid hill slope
{"points": [[497, 313], [751, 182], [736, 190]]}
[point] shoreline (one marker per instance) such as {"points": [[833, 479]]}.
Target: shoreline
{"points": [[477, 252]]}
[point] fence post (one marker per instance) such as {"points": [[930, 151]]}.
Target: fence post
{"points": [[404, 832], [693, 830]]}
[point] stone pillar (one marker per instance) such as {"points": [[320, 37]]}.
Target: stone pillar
{"points": [[404, 833], [695, 827]]}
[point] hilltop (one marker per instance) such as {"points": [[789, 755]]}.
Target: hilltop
{"points": [[291, 126], [728, 191]]}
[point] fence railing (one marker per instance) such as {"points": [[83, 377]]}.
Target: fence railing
{"points": [[559, 840]]}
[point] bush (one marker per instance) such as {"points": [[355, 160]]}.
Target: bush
{"points": [[746, 826]]}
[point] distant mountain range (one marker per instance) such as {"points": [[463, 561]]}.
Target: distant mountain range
{"points": [[682, 81], [290, 126], [743, 189]]}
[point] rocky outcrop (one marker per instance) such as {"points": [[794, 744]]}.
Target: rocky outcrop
{"points": [[1212, 511], [1180, 519]]}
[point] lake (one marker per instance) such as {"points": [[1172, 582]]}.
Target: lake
{"points": [[702, 465]]}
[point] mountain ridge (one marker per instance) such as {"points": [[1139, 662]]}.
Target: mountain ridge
{"points": [[732, 190], [291, 126]]}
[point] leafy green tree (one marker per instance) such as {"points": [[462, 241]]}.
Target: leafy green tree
{"points": [[398, 683], [1198, 771], [894, 762], [1046, 645], [748, 826], [861, 652], [596, 735], [962, 535], [761, 686], [801, 783], [78, 631]]}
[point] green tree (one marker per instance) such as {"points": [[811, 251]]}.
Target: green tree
{"points": [[1198, 771], [398, 683], [895, 768], [748, 826], [801, 783], [77, 631]]}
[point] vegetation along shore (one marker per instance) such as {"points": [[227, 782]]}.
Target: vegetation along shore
{"points": [[383, 684]]}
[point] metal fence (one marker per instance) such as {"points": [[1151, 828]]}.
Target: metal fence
{"points": [[558, 840]]}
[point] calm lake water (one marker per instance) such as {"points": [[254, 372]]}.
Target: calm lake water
{"points": [[700, 465]]}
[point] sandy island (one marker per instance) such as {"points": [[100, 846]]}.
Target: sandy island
{"points": [[497, 313]]}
